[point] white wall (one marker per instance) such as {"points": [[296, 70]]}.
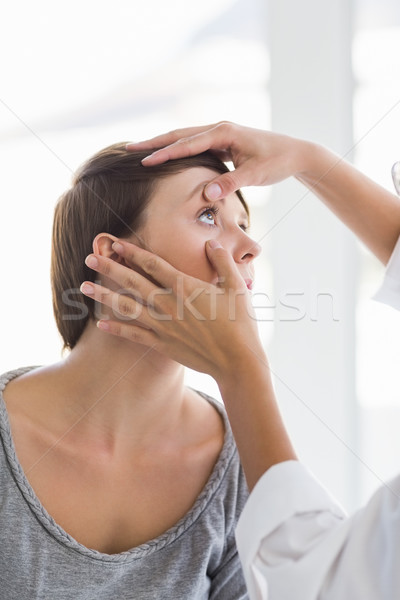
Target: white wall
{"points": [[314, 257]]}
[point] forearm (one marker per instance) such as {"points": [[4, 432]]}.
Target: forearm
{"points": [[265, 158], [257, 426], [369, 210]]}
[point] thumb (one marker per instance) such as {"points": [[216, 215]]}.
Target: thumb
{"points": [[223, 263], [222, 186]]}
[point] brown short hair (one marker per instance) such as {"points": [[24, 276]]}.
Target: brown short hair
{"points": [[109, 193]]}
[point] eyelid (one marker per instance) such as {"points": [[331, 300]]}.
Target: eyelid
{"points": [[214, 208], [244, 225], [209, 210]]}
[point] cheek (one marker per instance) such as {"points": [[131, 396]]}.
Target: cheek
{"points": [[186, 255], [180, 245], [196, 265]]}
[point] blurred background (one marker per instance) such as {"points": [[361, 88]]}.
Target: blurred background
{"points": [[77, 76]]}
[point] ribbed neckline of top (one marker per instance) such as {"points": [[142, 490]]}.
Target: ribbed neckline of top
{"points": [[63, 537]]}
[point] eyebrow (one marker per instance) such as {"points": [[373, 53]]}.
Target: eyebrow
{"points": [[200, 187]]}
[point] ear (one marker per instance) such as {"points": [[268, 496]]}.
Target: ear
{"points": [[102, 245]]}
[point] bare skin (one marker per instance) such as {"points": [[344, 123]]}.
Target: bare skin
{"points": [[264, 158], [226, 347], [230, 350], [113, 426], [91, 454]]}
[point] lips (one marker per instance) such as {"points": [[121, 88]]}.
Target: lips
{"points": [[249, 283]]}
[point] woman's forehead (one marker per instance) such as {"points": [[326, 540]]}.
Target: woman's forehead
{"points": [[189, 184]]}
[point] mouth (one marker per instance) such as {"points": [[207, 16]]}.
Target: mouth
{"points": [[249, 283]]}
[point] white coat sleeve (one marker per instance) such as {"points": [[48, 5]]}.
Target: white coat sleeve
{"points": [[295, 541], [389, 292]]}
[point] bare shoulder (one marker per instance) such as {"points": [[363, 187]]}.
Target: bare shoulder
{"points": [[23, 390], [27, 399], [206, 424]]}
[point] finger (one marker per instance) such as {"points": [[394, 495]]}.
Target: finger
{"points": [[165, 139], [187, 146], [215, 138], [223, 185], [223, 155], [223, 263], [248, 173], [154, 266], [125, 277], [131, 332], [122, 305]]}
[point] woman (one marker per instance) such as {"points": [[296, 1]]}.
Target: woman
{"points": [[116, 480], [294, 539]]}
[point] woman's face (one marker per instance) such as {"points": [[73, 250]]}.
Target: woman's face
{"points": [[179, 220]]}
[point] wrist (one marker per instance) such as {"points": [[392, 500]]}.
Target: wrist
{"points": [[307, 158], [251, 365], [314, 162], [254, 415]]}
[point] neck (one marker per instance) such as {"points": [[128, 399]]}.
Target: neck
{"points": [[122, 390]]}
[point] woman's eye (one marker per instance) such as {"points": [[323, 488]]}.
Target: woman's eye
{"points": [[208, 216]]}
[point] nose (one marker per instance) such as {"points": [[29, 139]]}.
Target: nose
{"points": [[246, 249]]}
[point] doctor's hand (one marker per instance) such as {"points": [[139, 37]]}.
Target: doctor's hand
{"points": [[259, 157], [206, 327]]}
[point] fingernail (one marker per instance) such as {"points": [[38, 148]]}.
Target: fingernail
{"points": [[213, 191], [118, 247], [103, 325], [214, 244], [92, 261], [146, 158], [87, 288]]}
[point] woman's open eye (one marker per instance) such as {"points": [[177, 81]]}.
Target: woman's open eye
{"points": [[208, 215]]}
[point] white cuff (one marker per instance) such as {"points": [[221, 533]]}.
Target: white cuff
{"points": [[286, 489], [389, 291]]}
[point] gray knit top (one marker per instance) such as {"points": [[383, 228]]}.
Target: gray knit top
{"points": [[194, 560]]}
